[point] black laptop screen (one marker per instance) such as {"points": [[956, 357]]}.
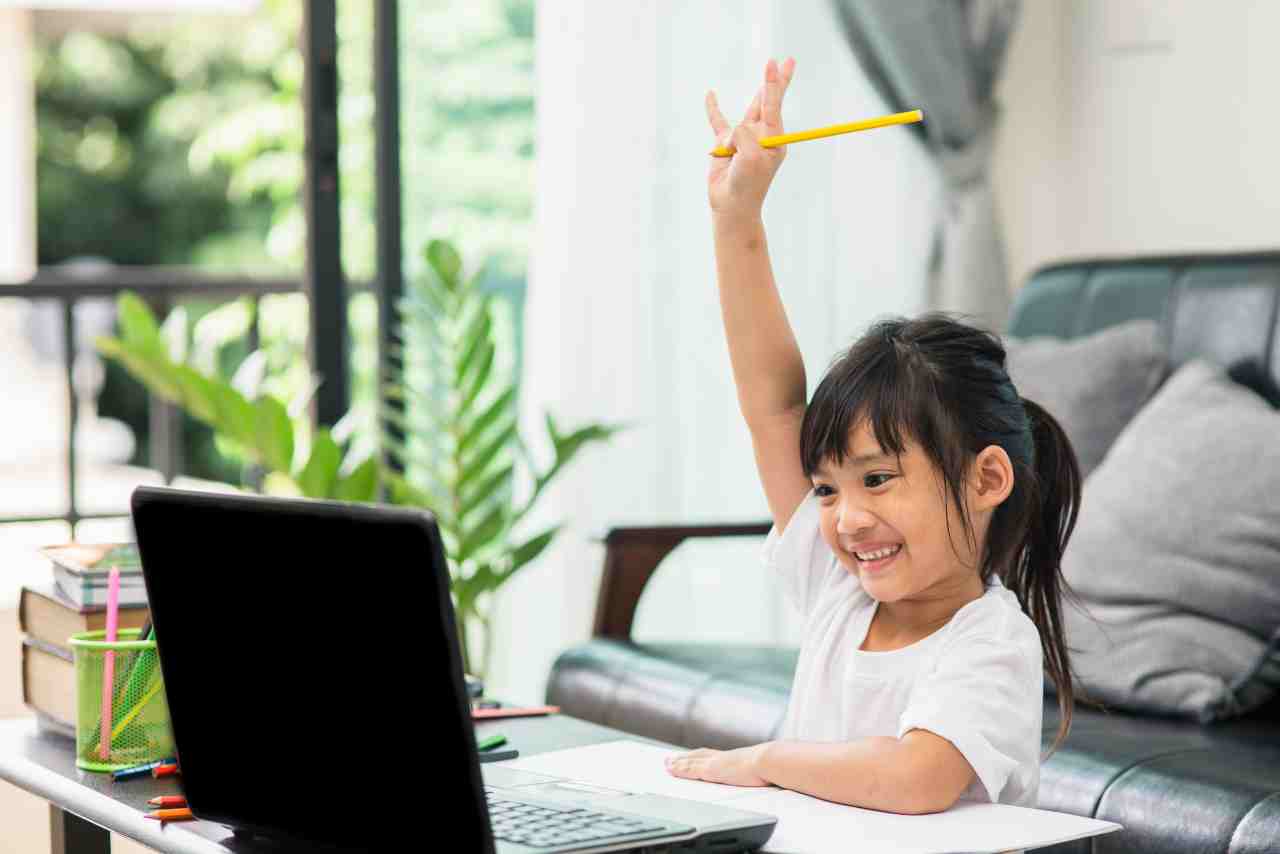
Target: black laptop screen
{"points": [[310, 665]]}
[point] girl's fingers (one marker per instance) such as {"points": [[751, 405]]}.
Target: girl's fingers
{"points": [[719, 125], [776, 81], [753, 111]]}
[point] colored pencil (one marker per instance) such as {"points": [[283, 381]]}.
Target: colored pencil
{"points": [[513, 712], [140, 770], [109, 660], [906, 118], [168, 801], [182, 814], [492, 742]]}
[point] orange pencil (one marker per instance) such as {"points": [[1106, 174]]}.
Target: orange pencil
{"points": [[171, 815], [164, 771], [168, 801]]}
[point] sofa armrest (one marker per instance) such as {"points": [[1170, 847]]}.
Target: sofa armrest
{"points": [[632, 555]]}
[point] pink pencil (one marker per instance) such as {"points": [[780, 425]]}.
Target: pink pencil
{"points": [[109, 660]]}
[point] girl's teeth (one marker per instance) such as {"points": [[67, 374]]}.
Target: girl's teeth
{"points": [[877, 554]]}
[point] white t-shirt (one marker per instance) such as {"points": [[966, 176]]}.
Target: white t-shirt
{"points": [[977, 682]]}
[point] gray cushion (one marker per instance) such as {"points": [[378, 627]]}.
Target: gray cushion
{"points": [[1176, 555], [1093, 385]]}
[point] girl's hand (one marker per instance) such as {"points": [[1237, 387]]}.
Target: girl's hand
{"points": [[736, 185], [734, 767]]}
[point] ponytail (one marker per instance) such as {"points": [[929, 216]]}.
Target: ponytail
{"points": [[1035, 573]]}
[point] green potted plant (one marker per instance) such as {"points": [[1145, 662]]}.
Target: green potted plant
{"points": [[457, 453]]}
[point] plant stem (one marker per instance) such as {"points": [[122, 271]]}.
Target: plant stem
{"points": [[464, 614]]}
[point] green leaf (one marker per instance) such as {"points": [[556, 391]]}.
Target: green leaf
{"points": [[486, 490], [476, 334], [138, 325], [197, 394], [529, 550], [482, 534], [321, 471], [405, 494], [274, 433], [567, 446], [151, 369], [445, 261], [478, 380], [565, 449], [361, 484], [479, 462], [236, 415], [499, 407]]}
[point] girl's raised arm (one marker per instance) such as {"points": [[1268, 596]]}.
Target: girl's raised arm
{"points": [[767, 367]]}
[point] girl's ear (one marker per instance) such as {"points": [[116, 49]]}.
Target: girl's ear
{"points": [[992, 478]]}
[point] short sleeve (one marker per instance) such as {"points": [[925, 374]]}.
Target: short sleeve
{"points": [[983, 696], [798, 556]]}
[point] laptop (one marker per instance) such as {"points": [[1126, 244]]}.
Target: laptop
{"points": [[310, 660]]}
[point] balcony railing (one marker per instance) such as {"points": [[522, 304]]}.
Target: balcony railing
{"points": [[163, 289]]}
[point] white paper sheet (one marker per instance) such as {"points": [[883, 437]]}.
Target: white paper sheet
{"points": [[628, 765], [808, 824]]}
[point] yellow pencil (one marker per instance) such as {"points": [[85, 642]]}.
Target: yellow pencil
{"points": [[818, 133]]}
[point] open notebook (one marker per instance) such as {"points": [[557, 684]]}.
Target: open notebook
{"points": [[808, 824]]}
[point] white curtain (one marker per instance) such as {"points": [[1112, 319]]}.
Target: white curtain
{"points": [[622, 320]]}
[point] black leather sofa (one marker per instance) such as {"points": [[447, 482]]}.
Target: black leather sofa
{"points": [[1175, 785]]}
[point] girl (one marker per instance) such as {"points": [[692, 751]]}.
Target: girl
{"points": [[920, 508]]}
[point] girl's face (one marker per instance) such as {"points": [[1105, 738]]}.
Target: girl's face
{"points": [[887, 520]]}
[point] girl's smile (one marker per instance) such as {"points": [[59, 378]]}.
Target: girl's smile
{"points": [[876, 558]]}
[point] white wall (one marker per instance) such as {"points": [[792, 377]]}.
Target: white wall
{"points": [[1139, 127]]}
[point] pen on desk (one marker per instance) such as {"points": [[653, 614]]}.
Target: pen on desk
{"points": [[165, 771], [143, 770], [491, 742], [512, 712], [183, 814], [168, 801]]}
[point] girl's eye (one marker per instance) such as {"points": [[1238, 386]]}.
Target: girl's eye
{"points": [[867, 481], [822, 490]]}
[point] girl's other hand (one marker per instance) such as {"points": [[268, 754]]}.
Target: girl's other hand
{"points": [[732, 767], [736, 185]]}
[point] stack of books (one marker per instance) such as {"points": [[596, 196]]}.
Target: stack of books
{"points": [[74, 601]]}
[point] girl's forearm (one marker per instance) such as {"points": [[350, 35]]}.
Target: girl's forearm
{"points": [[872, 773], [767, 366]]}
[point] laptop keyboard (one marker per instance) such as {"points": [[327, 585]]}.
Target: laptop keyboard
{"points": [[541, 826]]}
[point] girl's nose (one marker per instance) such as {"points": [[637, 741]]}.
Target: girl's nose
{"points": [[853, 520]]}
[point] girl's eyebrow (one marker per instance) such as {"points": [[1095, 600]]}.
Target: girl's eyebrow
{"points": [[860, 460]]}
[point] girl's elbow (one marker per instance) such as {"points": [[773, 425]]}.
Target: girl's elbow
{"points": [[928, 805], [931, 793]]}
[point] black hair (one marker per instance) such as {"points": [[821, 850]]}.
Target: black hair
{"points": [[943, 383]]}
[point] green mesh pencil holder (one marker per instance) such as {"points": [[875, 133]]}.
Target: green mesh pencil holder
{"points": [[137, 726]]}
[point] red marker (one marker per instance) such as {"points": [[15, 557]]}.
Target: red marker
{"points": [[168, 801], [513, 712], [164, 771]]}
